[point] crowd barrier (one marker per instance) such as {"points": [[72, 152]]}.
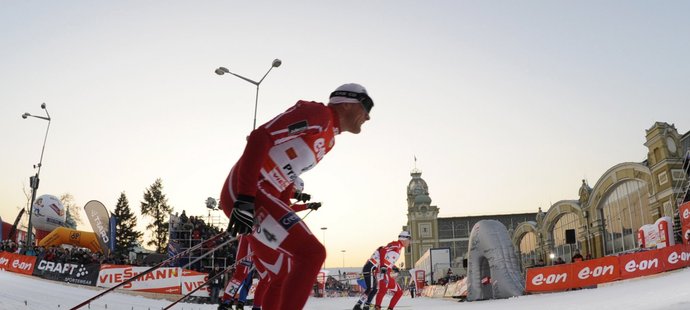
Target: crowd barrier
{"points": [[606, 269], [166, 280]]}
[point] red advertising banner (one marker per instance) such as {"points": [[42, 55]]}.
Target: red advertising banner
{"points": [[17, 263], [547, 279], [191, 280], [684, 211], [640, 264], [600, 270], [162, 280], [675, 257]]}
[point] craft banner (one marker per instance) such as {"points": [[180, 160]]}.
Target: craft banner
{"points": [[68, 272]]}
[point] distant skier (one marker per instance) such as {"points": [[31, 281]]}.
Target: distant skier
{"points": [[375, 271]]}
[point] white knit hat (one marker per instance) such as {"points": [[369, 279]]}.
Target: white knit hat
{"points": [[352, 92]]}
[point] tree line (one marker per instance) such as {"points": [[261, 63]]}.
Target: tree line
{"points": [[154, 205]]}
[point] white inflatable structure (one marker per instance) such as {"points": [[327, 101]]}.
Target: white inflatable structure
{"points": [[493, 269]]}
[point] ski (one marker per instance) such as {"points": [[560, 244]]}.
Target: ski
{"points": [[161, 264]]}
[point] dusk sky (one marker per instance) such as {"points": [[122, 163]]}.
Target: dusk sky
{"points": [[507, 105]]}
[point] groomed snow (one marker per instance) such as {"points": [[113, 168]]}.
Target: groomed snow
{"points": [[666, 291]]}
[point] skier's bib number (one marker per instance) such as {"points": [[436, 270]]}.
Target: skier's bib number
{"points": [[270, 232]]}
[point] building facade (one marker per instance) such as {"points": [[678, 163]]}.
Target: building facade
{"points": [[603, 220]]}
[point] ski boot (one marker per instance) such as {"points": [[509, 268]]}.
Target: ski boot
{"points": [[377, 307], [239, 306], [366, 307], [225, 305], [357, 307]]}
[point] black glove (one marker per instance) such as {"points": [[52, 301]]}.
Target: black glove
{"points": [[242, 217], [396, 269], [303, 197], [384, 269], [314, 205]]}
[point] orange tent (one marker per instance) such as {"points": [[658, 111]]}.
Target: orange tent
{"points": [[64, 235]]}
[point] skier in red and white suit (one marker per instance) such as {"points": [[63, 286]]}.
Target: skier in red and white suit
{"points": [[376, 273], [276, 153], [244, 264]]}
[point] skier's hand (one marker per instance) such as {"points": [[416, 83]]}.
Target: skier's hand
{"points": [[242, 216], [303, 197], [384, 269], [314, 205]]}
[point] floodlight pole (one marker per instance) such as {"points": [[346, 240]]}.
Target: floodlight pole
{"points": [[276, 63], [34, 180]]}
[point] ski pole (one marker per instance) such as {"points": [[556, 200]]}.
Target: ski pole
{"points": [[175, 257]]}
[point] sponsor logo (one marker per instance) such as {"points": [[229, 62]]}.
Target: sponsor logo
{"points": [[319, 148], [19, 265], [596, 272], [540, 279], [289, 219], [289, 172], [298, 127], [686, 214], [57, 210], [58, 267], [75, 235], [102, 231], [633, 266], [675, 257], [4, 261], [291, 153]]}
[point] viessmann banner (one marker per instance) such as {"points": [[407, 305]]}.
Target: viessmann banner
{"points": [[607, 269], [162, 280]]}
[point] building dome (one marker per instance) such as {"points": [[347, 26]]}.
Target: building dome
{"points": [[417, 185], [422, 199]]}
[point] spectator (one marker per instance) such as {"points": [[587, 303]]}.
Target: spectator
{"points": [[577, 257]]}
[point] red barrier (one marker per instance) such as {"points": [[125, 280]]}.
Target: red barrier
{"points": [[607, 269], [17, 263]]}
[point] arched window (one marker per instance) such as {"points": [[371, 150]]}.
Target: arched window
{"points": [[528, 250], [623, 213], [562, 248]]}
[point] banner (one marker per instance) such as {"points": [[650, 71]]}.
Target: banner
{"points": [[640, 264], [684, 211], [607, 269], [17, 263], [68, 272], [164, 280], [665, 227], [100, 222], [10, 236], [191, 280]]}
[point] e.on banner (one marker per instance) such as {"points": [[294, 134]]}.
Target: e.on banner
{"points": [[17, 263], [677, 256], [640, 264], [567, 276], [164, 280], [191, 280]]}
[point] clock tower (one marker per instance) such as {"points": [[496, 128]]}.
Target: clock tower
{"points": [[665, 162], [421, 219]]}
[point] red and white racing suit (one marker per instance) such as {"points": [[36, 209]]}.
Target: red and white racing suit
{"points": [[276, 153], [387, 256]]}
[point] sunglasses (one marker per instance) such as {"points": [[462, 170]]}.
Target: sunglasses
{"points": [[363, 98]]}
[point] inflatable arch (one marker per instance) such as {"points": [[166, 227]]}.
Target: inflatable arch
{"points": [[492, 256], [64, 235]]}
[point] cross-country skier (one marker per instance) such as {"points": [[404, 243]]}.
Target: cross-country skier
{"points": [[245, 270], [375, 271], [276, 153]]}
